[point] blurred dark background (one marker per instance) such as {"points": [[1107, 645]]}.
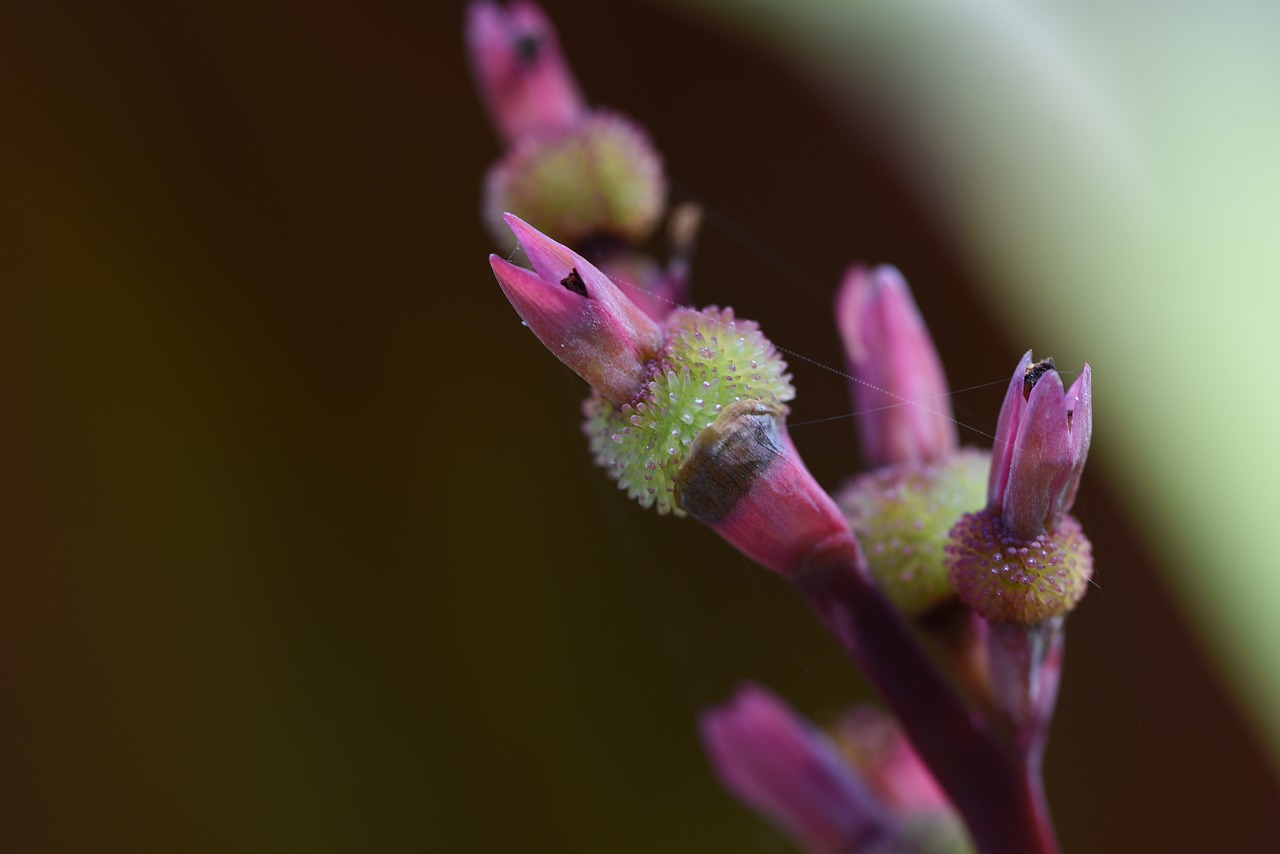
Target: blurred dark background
{"points": [[303, 548]]}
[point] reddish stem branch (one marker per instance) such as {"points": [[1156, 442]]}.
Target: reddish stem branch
{"points": [[995, 788]]}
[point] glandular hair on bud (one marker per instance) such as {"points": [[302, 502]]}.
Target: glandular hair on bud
{"points": [[727, 458], [902, 515], [710, 361], [1010, 579]]}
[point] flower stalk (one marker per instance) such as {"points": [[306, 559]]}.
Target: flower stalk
{"points": [[687, 412]]}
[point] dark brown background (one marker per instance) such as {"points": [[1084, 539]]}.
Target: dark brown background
{"points": [[302, 548]]}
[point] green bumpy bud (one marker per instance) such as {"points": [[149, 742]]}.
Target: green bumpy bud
{"points": [[600, 176], [709, 360], [902, 515], [1010, 579]]}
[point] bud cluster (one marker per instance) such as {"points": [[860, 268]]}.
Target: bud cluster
{"points": [[687, 412]]}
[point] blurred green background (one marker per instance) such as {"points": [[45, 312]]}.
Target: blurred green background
{"points": [[304, 551]]}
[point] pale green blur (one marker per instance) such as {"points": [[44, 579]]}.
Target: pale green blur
{"points": [[1113, 172]]}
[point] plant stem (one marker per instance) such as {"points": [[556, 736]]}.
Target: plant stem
{"points": [[995, 787]]}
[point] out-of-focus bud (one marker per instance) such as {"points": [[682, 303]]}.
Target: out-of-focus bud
{"points": [[600, 177], [523, 78], [656, 289], [782, 767], [899, 390], [874, 744], [902, 515], [920, 483], [580, 315], [1024, 559]]}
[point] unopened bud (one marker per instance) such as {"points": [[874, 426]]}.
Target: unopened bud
{"points": [[899, 390], [579, 314], [1023, 559], [522, 76]]}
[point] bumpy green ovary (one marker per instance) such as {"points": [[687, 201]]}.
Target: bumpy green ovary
{"points": [[901, 514], [709, 360]]}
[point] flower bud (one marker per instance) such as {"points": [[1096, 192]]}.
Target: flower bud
{"points": [[579, 314], [1042, 440], [523, 78], [899, 390], [1023, 559], [779, 765], [599, 177], [902, 515]]}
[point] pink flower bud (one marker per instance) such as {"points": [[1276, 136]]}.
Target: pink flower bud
{"points": [[779, 765], [579, 314], [1042, 440], [1024, 559], [899, 389], [522, 76]]}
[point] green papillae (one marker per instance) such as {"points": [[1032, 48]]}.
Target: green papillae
{"points": [[709, 360], [601, 176], [902, 516]]}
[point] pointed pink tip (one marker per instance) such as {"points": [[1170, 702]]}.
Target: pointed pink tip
{"points": [[579, 314], [519, 69], [899, 388], [551, 259]]}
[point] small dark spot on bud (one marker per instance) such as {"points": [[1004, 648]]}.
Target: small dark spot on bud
{"points": [[573, 282], [1034, 372], [526, 48]]}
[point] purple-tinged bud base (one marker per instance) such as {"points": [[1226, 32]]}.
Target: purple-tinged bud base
{"points": [[902, 516], [1010, 579]]}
